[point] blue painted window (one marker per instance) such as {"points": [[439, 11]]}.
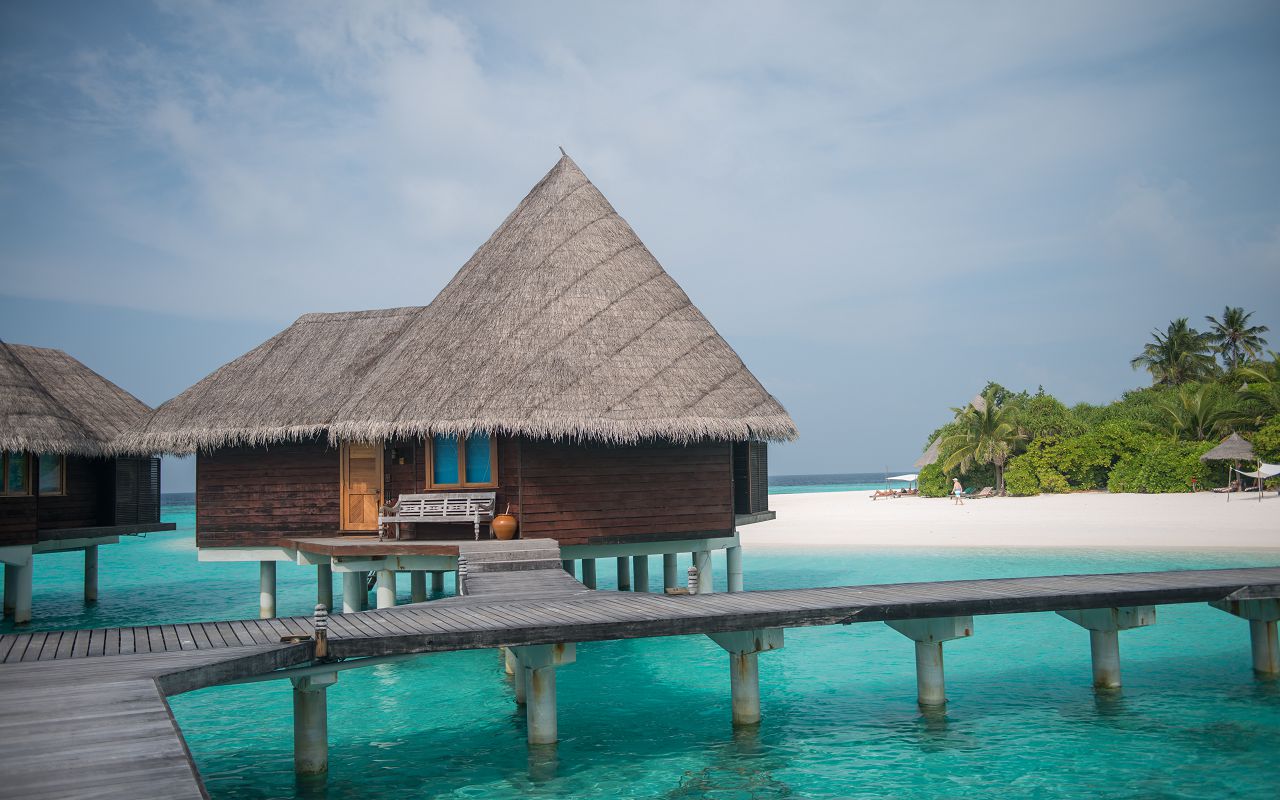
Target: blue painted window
{"points": [[477, 460], [444, 460], [52, 474], [16, 478]]}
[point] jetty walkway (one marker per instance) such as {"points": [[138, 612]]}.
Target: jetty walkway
{"points": [[83, 712]]}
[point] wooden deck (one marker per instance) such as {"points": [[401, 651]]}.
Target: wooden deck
{"points": [[86, 708]]}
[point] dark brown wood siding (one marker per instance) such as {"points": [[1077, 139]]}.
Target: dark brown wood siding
{"points": [[581, 494], [261, 496], [17, 520], [82, 506], [410, 478]]}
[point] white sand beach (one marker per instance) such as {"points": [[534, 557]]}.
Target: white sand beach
{"points": [[1092, 519]]}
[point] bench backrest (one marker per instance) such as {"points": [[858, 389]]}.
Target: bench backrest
{"points": [[460, 506]]}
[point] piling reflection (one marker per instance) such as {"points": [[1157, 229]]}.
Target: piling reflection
{"points": [[544, 762]]}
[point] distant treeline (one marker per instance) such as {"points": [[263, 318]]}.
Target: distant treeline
{"points": [[1205, 386]]}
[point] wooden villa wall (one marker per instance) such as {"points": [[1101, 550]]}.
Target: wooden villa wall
{"points": [[87, 501], [260, 496], [17, 520]]}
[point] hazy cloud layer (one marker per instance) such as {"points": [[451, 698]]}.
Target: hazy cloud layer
{"points": [[881, 205]]}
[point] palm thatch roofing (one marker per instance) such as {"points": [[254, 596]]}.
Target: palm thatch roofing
{"points": [[562, 325], [930, 454], [52, 403], [1233, 448]]}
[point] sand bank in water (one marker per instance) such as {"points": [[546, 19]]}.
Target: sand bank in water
{"points": [[1093, 519]]}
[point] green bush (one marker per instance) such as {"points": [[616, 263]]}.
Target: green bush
{"points": [[933, 483], [1162, 467], [1020, 476], [1266, 441]]}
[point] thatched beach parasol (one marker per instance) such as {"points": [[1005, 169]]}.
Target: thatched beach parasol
{"points": [[1233, 448], [562, 325], [51, 403]]}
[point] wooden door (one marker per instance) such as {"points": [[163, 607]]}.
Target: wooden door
{"points": [[361, 486]]}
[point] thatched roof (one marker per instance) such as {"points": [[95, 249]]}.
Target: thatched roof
{"points": [[562, 324], [930, 454], [51, 403], [1233, 448]]}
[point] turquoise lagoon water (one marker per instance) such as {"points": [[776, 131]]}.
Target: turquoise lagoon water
{"points": [[650, 718], [844, 482]]}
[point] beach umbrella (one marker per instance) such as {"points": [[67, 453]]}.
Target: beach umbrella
{"points": [[1233, 448]]}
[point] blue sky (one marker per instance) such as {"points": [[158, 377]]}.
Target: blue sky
{"points": [[880, 205]]}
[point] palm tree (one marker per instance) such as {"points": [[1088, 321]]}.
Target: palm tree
{"points": [[1263, 384], [987, 434], [1234, 338], [1199, 413], [1178, 355]]}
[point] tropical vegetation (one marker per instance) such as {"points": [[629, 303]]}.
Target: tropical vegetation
{"points": [[1204, 387]]}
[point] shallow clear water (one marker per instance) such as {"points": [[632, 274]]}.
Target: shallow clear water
{"points": [[650, 719]]}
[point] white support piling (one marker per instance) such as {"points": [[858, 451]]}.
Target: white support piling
{"points": [[1104, 626], [702, 560], [929, 634], [1262, 613], [311, 723], [418, 586], [437, 581], [569, 567], [640, 573], [266, 589], [744, 648], [589, 573], [22, 591], [538, 665], [733, 566], [386, 588], [91, 574], [624, 573], [10, 588], [670, 571], [354, 592], [324, 586]]}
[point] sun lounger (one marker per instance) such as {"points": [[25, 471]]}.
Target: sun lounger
{"points": [[987, 491], [884, 493]]}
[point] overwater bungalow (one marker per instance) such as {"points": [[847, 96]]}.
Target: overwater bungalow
{"points": [[562, 376], [61, 485]]}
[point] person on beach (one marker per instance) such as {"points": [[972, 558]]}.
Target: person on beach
{"points": [[958, 491]]}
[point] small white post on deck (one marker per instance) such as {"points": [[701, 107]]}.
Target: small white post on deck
{"points": [[91, 574], [1262, 613], [640, 573], [929, 634], [354, 592], [266, 589], [589, 573], [538, 665], [311, 723], [624, 573], [418, 586], [733, 566], [386, 588], [702, 560], [744, 648], [324, 586], [1104, 626], [437, 581], [670, 571], [21, 590]]}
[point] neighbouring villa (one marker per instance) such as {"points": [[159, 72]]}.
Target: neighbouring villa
{"points": [[561, 376]]}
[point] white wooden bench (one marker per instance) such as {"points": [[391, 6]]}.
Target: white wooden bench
{"points": [[473, 507]]}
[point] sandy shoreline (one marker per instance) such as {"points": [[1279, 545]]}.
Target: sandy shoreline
{"points": [[1091, 520]]}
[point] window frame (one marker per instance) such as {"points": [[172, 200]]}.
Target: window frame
{"points": [[62, 475], [4, 475], [430, 461]]}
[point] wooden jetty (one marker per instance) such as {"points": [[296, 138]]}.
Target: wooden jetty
{"points": [[87, 707]]}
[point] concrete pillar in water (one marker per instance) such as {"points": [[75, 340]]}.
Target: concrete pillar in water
{"points": [[1262, 614], [437, 581], [733, 566], [311, 723], [266, 589], [354, 592], [10, 588], [624, 574], [91, 574], [702, 560], [929, 634], [1104, 626], [744, 648], [418, 586], [568, 567], [640, 571], [670, 571], [386, 588], [324, 586], [589, 573], [21, 590], [538, 665]]}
